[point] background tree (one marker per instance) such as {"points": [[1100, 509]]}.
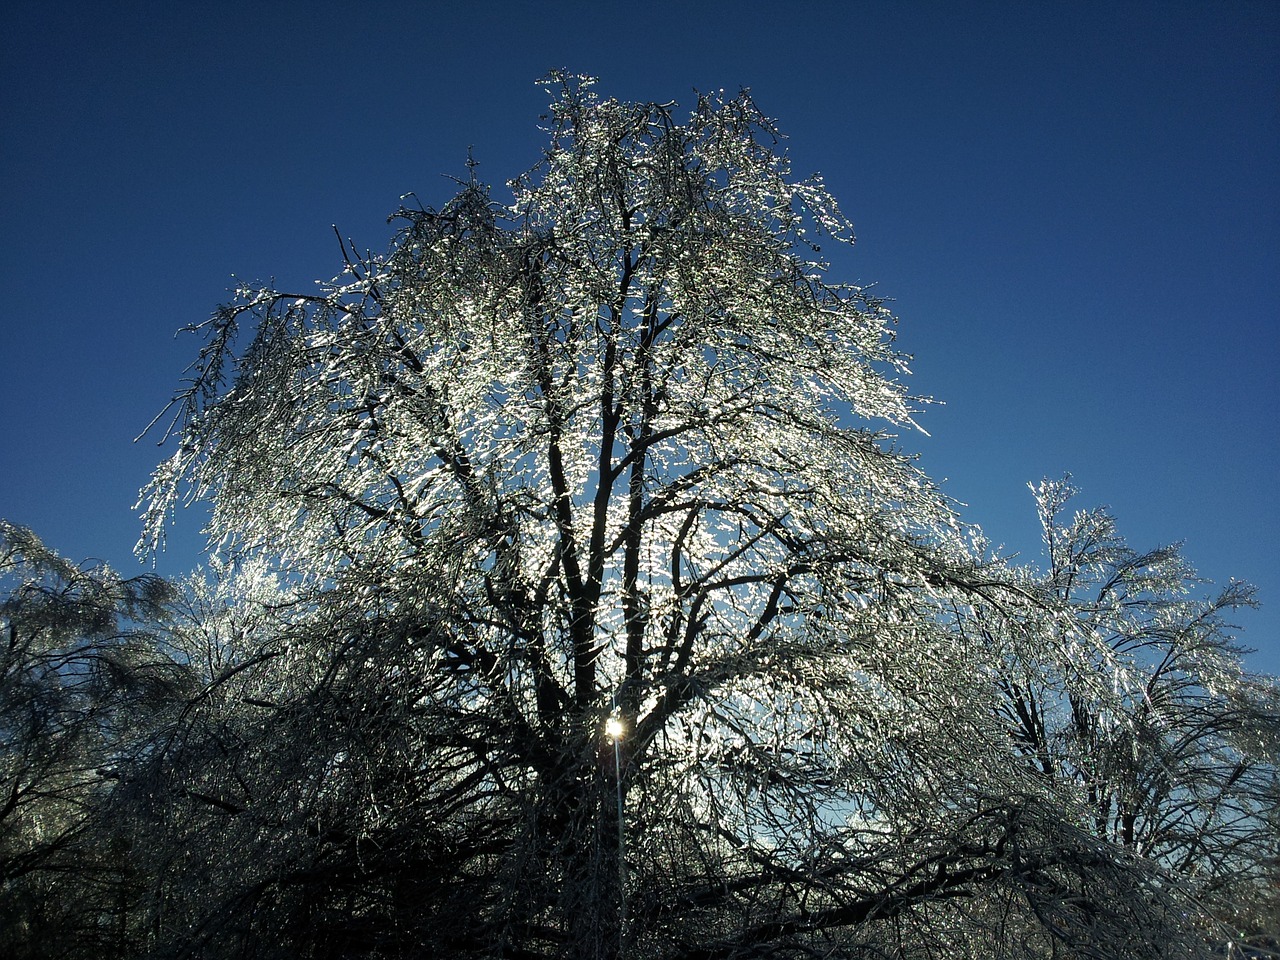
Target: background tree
{"points": [[614, 456], [1146, 713], [81, 682]]}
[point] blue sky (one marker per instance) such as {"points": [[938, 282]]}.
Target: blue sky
{"points": [[1074, 206]]}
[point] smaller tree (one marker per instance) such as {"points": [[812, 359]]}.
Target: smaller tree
{"points": [[1147, 718], [80, 674]]}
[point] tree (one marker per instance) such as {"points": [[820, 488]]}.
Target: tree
{"points": [[613, 620], [81, 680], [1146, 713]]}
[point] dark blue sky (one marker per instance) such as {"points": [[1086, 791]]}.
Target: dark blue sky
{"points": [[1076, 208]]}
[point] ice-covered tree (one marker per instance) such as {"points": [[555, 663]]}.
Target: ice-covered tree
{"points": [[613, 619], [82, 683], [1132, 696]]}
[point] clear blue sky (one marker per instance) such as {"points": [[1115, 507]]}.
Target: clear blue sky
{"points": [[1075, 206]]}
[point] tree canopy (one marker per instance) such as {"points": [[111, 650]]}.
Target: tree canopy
{"points": [[578, 600]]}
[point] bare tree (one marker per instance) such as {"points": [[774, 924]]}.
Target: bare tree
{"points": [[81, 680], [1144, 713], [612, 619]]}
